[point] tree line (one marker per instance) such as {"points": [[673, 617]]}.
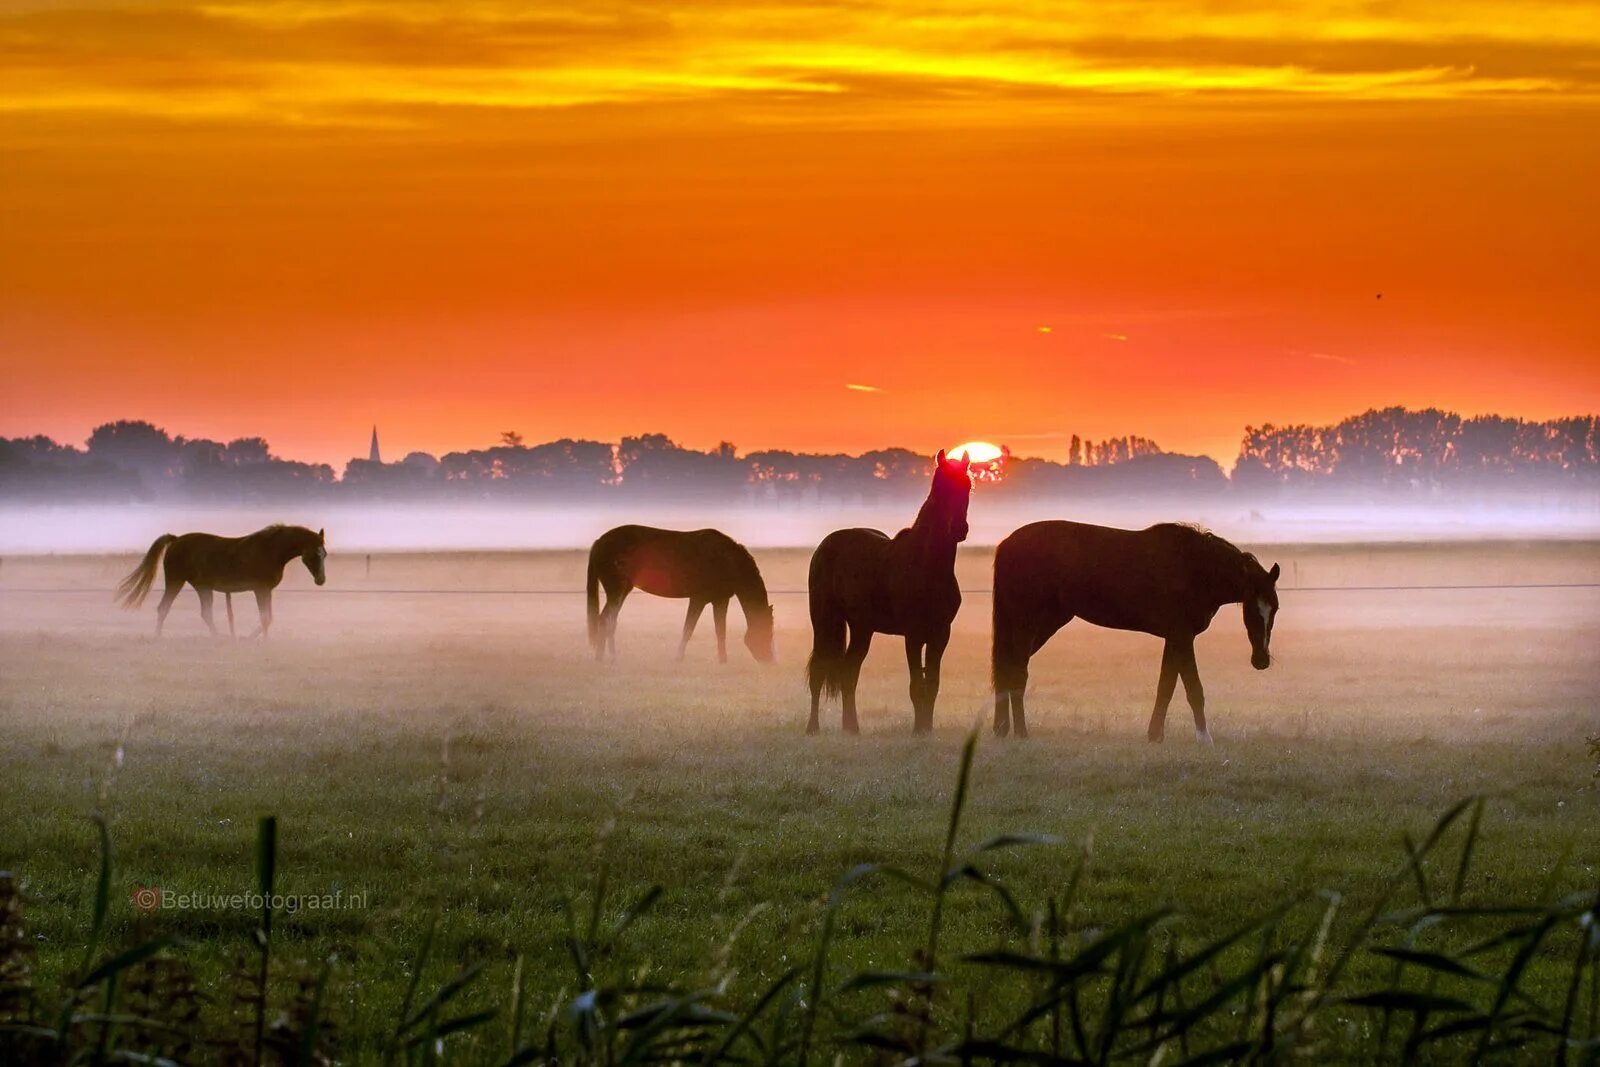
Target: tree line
{"points": [[1394, 448], [1428, 449]]}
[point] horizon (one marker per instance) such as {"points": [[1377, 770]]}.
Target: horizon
{"points": [[1057, 452], [809, 227]]}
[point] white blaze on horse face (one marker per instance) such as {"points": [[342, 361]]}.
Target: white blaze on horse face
{"points": [[1267, 612]]}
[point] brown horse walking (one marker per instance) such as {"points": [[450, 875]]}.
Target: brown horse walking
{"points": [[704, 566], [1168, 580], [228, 565], [862, 582]]}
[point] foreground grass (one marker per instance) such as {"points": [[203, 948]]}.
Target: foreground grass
{"points": [[465, 763], [1432, 966]]}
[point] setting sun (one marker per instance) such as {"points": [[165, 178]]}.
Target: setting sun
{"points": [[988, 459], [979, 452]]}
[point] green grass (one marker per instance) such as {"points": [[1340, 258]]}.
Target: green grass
{"points": [[446, 763]]}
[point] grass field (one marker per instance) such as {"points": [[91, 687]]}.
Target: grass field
{"points": [[460, 755]]}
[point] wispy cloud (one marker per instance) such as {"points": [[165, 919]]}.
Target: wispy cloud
{"points": [[859, 388], [1324, 357]]}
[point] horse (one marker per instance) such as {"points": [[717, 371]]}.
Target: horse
{"points": [[865, 582], [228, 565], [704, 566], [1168, 580]]}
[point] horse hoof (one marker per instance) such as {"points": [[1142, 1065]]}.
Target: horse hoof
{"points": [[1003, 728], [1203, 736], [812, 730], [1155, 738]]}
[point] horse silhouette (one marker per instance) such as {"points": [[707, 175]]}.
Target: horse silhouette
{"points": [[1168, 580], [705, 566], [862, 582], [253, 563]]}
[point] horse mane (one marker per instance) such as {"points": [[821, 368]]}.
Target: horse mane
{"points": [[752, 571], [277, 530], [1224, 551]]}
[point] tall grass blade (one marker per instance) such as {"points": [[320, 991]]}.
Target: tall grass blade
{"points": [[313, 1022], [1464, 864], [746, 1022], [266, 868]]}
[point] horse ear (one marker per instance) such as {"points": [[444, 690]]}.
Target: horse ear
{"points": [[966, 463], [1276, 570], [939, 459], [322, 536]]}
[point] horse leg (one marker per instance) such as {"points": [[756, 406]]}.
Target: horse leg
{"points": [[206, 609], [1010, 665], [914, 649], [227, 599], [689, 620], [850, 673], [167, 597], [719, 616], [1171, 655], [264, 606], [1019, 718], [1189, 671], [608, 621], [930, 682]]}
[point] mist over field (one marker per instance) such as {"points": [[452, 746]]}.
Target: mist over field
{"points": [[359, 527], [434, 749]]}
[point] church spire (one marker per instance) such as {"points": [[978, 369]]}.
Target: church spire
{"points": [[375, 457]]}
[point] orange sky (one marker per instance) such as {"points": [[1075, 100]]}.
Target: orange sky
{"points": [[296, 218]]}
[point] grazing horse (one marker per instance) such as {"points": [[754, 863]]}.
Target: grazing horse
{"points": [[704, 566], [228, 565], [1168, 580], [863, 581]]}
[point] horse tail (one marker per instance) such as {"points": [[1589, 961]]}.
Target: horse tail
{"points": [[135, 587], [1008, 653], [827, 639], [592, 595]]}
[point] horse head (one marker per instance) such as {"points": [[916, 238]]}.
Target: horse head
{"points": [[1260, 609], [758, 632], [951, 493], [315, 557]]}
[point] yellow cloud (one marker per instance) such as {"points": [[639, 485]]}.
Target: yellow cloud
{"points": [[306, 60]]}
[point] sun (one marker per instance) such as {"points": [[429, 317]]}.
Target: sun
{"points": [[980, 452], [988, 460]]}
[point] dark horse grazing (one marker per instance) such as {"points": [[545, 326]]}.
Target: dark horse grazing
{"points": [[1168, 581], [225, 564], [704, 566], [866, 582]]}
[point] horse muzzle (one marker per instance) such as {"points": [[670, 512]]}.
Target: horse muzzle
{"points": [[1260, 660], [320, 579]]}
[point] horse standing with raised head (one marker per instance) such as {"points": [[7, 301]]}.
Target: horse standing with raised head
{"points": [[1169, 580], [253, 563], [863, 582], [702, 566]]}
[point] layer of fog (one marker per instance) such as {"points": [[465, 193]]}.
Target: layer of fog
{"points": [[35, 529]]}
